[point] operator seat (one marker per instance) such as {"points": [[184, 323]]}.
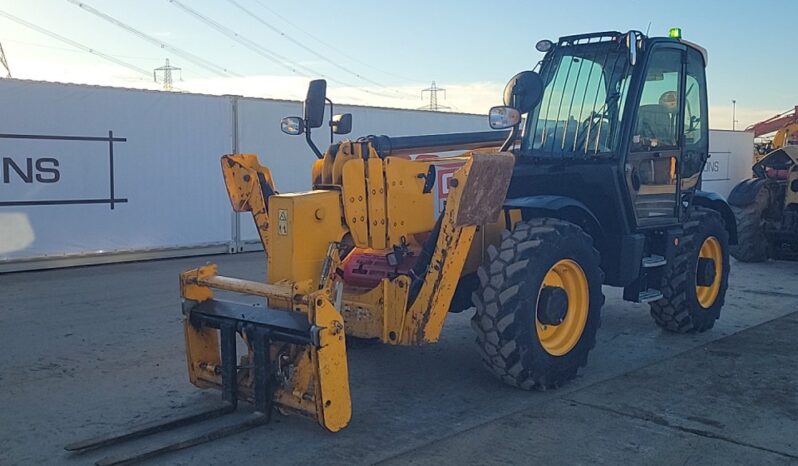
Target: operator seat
{"points": [[658, 121]]}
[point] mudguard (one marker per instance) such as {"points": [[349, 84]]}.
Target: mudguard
{"points": [[561, 207], [745, 192], [716, 202]]}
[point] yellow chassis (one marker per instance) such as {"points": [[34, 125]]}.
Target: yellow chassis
{"points": [[361, 201]]}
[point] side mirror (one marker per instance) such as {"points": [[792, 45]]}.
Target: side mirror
{"points": [[293, 126], [314, 103], [341, 124], [524, 91], [503, 117]]}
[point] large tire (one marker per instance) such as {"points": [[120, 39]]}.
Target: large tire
{"points": [[685, 307], [515, 346], [752, 245]]}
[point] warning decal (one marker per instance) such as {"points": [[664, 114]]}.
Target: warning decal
{"points": [[282, 222], [444, 173]]}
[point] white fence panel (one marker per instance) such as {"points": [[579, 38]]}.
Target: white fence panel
{"points": [[60, 196], [731, 156]]}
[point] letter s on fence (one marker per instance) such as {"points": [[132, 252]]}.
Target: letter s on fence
{"points": [[43, 169]]}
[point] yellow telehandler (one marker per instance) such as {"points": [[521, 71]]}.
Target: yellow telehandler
{"points": [[766, 205], [599, 187]]}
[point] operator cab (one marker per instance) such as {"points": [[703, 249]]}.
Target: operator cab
{"points": [[619, 127]]}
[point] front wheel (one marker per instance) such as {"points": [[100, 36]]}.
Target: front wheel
{"points": [[695, 281], [538, 303]]}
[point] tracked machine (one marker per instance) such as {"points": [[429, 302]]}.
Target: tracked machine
{"points": [[598, 186]]}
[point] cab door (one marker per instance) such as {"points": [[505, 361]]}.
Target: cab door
{"points": [[655, 149], [696, 130]]}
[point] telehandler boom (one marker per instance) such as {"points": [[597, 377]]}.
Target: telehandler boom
{"points": [[600, 186]]}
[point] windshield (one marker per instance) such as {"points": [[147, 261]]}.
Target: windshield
{"points": [[585, 90]]}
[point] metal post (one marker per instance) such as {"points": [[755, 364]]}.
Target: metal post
{"points": [[236, 244], [111, 166]]}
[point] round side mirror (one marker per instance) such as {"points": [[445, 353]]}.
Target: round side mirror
{"points": [[524, 91], [292, 125], [503, 117]]}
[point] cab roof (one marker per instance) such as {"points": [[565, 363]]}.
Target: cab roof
{"points": [[620, 37]]}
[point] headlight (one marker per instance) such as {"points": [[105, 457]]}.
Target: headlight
{"points": [[544, 45]]}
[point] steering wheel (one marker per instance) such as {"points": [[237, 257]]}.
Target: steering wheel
{"points": [[591, 123]]}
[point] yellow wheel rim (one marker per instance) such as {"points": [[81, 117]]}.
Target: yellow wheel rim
{"points": [[710, 249], [558, 340]]}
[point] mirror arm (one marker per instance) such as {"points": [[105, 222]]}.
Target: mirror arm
{"points": [[312, 144], [332, 112], [510, 138], [514, 130]]}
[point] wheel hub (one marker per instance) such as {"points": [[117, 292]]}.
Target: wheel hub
{"points": [[562, 306], [705, 273], [553, 305], [708, 272]]}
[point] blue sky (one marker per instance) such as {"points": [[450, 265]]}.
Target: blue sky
{"points": [[394, 49]]}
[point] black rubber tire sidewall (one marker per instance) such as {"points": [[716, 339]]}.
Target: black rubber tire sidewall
{"points": [[538, 359], [557, 240], [752, 244], [679, 310]]}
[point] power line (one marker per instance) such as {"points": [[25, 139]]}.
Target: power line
{"points": [[51, 47], [67, 49], [308, 49], [262, 51], [74, 44], [250, 44], [199, 61], [327, 44]]}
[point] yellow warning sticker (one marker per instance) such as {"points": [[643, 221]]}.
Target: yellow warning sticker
{"points": [[282, 222]]}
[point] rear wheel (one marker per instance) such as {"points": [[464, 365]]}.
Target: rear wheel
{"points": [[695, 281], [752, 245], [538, 304]]}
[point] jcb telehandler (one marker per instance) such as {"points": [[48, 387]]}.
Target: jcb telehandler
{"points": [[600, 187]]}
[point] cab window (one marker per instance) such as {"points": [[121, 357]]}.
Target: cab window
{"points": [[657, 125], [696, 145], [693, 118], [580, 109]]}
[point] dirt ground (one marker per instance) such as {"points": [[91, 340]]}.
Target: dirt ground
{"points": [[88, 350]]}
